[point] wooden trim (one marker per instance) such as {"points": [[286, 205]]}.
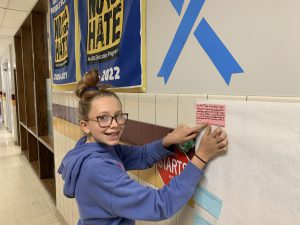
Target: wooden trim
{"points": [[40, 69], [28, 75]]}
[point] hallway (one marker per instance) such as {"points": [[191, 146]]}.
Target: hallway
{"points": [[23, 199]]}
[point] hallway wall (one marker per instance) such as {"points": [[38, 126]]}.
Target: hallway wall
{"points": [[8, 90], [161, 112]]}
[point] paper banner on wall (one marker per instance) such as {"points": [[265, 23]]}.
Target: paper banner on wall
{"points": [[113, 41], [260, 168], [62, 35]]}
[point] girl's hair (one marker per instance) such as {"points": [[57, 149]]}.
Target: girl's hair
{"points": [[87, 90]]}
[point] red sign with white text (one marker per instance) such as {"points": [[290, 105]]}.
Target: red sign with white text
{"points": [[172, 165]]}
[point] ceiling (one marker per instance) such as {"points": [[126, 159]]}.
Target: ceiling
{"points": [[12, 15]]}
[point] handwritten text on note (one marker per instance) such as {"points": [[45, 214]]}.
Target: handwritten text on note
{"points": [[213, 114]]}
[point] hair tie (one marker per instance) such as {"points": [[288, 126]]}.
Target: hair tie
{"points": [[94, 88]]}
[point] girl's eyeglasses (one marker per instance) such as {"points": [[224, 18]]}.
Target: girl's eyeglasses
{"points": [[106, 120]]}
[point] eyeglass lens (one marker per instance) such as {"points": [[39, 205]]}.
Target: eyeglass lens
{"points": [[106, 120]]}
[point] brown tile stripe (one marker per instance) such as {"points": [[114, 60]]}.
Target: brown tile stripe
{"points": [[135, 133], [66, 113], [66, 128]]}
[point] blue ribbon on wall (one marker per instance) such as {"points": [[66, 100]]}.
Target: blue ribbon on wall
{"points": [[177, 4], [207, 38], [180, 38], [216, 50]]}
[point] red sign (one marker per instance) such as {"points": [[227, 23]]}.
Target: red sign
{"points": [[172, 165]]}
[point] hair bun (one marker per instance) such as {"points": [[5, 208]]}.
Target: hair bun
{"points": [[88, 82]]}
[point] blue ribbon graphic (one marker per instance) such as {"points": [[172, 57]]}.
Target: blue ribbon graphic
{"points": [[216, 50], [180, 38], [177, 4], [207, 38]]}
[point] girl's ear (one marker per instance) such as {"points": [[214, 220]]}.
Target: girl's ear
{"points": [[84, 126]]}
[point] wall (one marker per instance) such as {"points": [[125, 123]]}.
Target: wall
{"points": [[261, 36], [9, 101], [161, 110]]}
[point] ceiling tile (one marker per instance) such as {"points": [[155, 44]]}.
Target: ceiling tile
{"points": [[3, 3], [22, 5], [14, 19]]}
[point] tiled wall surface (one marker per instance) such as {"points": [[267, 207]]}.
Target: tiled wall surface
{"points": [[151, 117]]}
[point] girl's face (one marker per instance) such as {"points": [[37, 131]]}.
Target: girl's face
{"points": [[104, 132]]}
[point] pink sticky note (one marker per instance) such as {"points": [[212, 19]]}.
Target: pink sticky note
{"points": [[212, 114]]}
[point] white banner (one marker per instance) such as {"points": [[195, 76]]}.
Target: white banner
{"points": [[258, 180]]}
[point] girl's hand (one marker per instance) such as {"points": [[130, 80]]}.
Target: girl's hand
{"points": [[211, 145], [181, 134]]}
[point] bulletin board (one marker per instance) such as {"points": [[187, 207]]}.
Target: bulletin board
{"points": [[257, 49], [257, 181]]}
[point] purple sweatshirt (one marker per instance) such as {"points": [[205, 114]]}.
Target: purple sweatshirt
{"points": [[95, 174]]}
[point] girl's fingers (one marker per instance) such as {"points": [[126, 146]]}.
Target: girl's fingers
{"points": [[216, 132], [221, 137], [223, 144], [196, 129], [207, 130]]}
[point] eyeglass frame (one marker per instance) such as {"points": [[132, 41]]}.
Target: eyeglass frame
{"points": [[111, 120]]}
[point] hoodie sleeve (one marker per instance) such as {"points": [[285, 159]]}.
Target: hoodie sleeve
{"points": [[124, 197], [142, 157]]}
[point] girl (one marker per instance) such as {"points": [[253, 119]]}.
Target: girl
{"points": [[95, 170]]}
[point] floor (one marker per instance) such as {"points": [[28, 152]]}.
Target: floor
{"points": [[23, 199]]}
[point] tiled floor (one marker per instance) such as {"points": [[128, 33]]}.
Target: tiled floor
{"points": [[23, 200]]}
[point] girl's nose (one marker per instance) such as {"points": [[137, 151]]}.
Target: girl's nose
{"points": [[114, 123]]}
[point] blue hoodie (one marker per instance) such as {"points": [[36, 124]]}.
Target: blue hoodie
{"points": [[95, 174]]}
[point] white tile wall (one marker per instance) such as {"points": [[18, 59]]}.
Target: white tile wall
{"points": [[227, 97], [274, 99], [166, 110], [131, 105], [54, 97], [162, 109], [187, 108], [122, 99], [147, 108]]}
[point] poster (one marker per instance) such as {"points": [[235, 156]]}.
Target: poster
{"points": [[95, 34], [62, 34], [112, 41]]}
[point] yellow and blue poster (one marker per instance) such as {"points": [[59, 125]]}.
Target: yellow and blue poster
{"points": [[112, 41], [62, 31]]}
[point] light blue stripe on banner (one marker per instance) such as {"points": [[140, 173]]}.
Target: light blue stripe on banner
{"points": [[208, 201], [216, 50], [177, 4], [198, 220], [180, 38]]}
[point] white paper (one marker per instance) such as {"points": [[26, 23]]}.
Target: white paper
{"points": [[258, 179]]}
